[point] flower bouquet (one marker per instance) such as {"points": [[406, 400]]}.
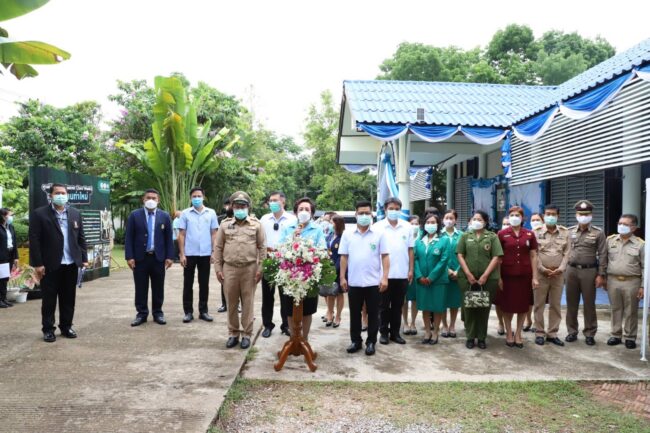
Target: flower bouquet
{"points": [[299, 268], [22, 277]]}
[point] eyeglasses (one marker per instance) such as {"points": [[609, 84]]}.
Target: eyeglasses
{"points": [[276, 226]]}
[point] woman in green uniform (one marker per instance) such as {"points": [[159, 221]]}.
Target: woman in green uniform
{"points": [[409, 327], [452, 296], [478, 255], [431, 257]]}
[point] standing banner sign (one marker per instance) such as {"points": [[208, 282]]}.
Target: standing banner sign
{"points": [[89, 194]]}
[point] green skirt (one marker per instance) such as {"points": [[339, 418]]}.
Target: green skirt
{"points": [[410, 292], [453, 298], [431, 298]]}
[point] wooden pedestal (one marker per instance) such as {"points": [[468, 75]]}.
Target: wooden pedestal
{"points": [[296, 345]]}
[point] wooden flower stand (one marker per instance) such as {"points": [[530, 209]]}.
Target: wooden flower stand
{"points": [[296, 345]]}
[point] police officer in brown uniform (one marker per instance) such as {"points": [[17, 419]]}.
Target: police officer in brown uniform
{"points": [[625, 254], [239, 253], [552, 259], [586, 271]]}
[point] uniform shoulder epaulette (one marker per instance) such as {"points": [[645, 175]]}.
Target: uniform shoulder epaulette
{"points": [[641, 240], [561, 227], [612, 236], [597, 228], [572, 227]]}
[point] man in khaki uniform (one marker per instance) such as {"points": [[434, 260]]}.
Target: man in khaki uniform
{"points": [[586, 271], [239, 253], [553, 255], [625, 254]]}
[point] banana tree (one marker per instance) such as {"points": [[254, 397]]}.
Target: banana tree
{"points": [[181, 152], [16, 57]]}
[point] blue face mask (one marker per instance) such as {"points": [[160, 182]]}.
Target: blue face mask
{"points": [[60, 199], [275, 206], [550, 220], [10, 219], [240, 214], [197, 201], [364, 220], [431, 228], [393, 214]]}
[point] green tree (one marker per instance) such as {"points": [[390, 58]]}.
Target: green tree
{"points": [[17, 57], [512, 53], [42, 135], [181, 152], [15, 195], [333, 187]]}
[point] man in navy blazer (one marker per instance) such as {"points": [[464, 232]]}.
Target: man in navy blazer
{"points": [[149, 251]]}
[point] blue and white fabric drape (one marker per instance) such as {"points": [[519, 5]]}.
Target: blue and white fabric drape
{"points": [[386, 185], [506, 157], [359, 168], [530, 197], [588, 103], [434, 133]]}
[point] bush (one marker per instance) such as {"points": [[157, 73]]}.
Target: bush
{"points": [[120, 234], [22, 233]]}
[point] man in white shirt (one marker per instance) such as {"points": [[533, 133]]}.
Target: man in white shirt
{"points": [[273, 224], [364, 259], [399, 235]]}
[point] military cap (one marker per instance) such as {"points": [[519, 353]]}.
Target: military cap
{"points": [[584, 207], [240, 197]]}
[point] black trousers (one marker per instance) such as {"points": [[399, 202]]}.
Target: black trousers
{"points": [[268, 302], [3, 289], [145, 270], [390, 307], [223, 297], [356, 297], [62, 285], [203, 265]]}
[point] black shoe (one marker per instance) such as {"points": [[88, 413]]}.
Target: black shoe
{"points": [[266, 333], [501, 332], [426, 341], [510, 343], [232, 342], [539, 341], [222, 309], [3, 304], [555, 341], [383, 339], [407, 332], [245, 343], [469, 344], [206, 317], [139, 320], [434, 341], [630, 344], [286, 331], [354, 347], [398, 339], [571, 338], [160, 320], [328, 323], [527, 328], [188, 318], [370, 349], [482, 345], [69, 333], [49, 337], [614, 341], [590, 341], [452, 335]]}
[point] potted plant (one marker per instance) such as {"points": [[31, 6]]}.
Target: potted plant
{"points": [[21, 281]]}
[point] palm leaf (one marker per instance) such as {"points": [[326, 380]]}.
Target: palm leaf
{"points": [[14, 8], [21, 71], [30, 52]]}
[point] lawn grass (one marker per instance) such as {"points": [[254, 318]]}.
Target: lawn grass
{"points": [[491, 407], [117, 255]]}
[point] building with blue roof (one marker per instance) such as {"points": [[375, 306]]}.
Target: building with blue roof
{"points": [[512, 144]]}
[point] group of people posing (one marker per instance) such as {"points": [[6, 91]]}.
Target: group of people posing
{"points": [[381, 266]]}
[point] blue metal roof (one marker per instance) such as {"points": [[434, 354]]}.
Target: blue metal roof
{"points": [[477, 104], [469, 104]]}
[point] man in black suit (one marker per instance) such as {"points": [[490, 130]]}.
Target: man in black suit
{"points": [[57, 249], [149, 251], [8, 251]]}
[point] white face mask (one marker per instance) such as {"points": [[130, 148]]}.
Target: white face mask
{"points": [[584, 219], [623, 229], [476, 225], [535, 224], [151, 204], [515, 220], [448, 223], [416, 231], [303, 216]]}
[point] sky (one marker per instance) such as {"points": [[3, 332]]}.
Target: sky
{"points": [[275, 56]]}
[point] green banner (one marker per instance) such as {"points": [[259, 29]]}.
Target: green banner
{"points": [[91, 195]]}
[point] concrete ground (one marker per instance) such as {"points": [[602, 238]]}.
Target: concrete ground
{"points": [[450, 360], [115, 378]]}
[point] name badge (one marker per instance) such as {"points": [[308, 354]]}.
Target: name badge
{"points": [[76, 225], [162, 226]]}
